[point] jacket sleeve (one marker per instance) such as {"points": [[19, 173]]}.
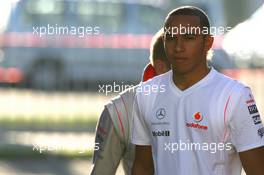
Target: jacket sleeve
{"points": [[110, 149], [247, 131]]}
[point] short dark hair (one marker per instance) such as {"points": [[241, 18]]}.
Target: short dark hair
{"points": [[157, 51], [192, 11]]}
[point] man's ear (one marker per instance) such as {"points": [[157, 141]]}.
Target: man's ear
{"points": [[209, 40]]}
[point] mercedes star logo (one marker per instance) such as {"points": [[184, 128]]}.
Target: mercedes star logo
{"points": [[161, 113]]}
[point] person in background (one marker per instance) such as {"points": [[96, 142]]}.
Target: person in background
{"points": [[113, 128]]}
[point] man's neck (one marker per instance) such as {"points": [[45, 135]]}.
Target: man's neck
{"points": [[184, 81]]}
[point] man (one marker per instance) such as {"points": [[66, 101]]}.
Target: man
{"points": [[204, 123], [113, 134]]}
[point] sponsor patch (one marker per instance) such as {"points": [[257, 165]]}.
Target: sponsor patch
{"points": [[197, 118], [256, 119], [261, 132], [161, 133], [252, 109], [160, 123], [196, 125], [161, 113]]}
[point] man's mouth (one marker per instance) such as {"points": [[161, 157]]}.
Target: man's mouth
{"points": [[180, 59]]}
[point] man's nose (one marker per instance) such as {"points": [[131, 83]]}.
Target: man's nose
{"points": [[179, 45]]}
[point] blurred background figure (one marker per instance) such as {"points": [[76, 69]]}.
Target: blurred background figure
{"points": [[62, 60], [113, 140]]}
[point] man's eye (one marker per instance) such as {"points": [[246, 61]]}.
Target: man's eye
{"points": [[169, 37], [189, 36]]}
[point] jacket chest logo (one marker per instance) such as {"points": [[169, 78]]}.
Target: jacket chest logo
{"points": [[196, 122]]}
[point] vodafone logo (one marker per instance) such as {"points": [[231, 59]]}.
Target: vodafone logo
{"points": [[198, 117]]}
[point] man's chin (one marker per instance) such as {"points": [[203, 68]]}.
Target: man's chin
{"points": [[180, 70]]}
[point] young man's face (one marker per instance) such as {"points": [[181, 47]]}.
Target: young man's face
{"points": [[186, 50]]}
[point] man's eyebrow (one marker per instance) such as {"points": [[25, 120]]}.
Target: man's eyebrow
{"points": [[191, 33]]}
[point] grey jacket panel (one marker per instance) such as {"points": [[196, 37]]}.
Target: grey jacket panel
{"points": [[113, 136], [107, 158]]}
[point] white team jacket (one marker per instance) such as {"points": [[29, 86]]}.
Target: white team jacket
{"points": [[113, 136]]}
